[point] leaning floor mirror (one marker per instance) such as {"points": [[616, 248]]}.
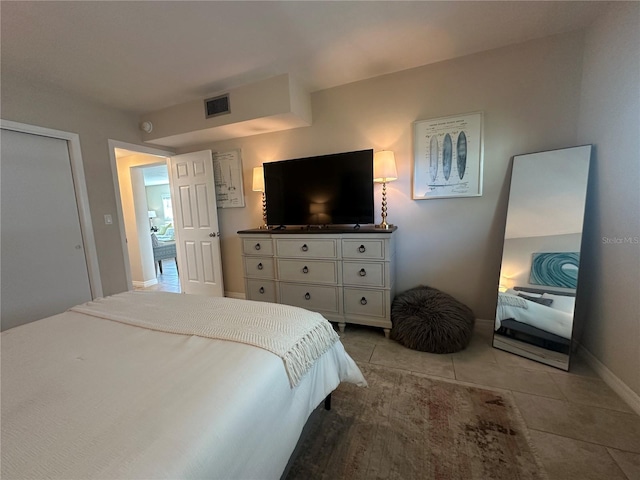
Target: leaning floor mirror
{"points": [[541, 255]]}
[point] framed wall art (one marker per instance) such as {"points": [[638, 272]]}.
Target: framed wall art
{"points": [[447, 157], [227, 170]]}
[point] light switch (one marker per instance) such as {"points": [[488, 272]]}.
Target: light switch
{"points": [[108, 220]]}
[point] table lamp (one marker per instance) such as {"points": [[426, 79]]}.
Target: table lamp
{"points": [[384, 171]]}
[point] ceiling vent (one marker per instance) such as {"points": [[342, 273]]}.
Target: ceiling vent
{"points": [[217, 106]]}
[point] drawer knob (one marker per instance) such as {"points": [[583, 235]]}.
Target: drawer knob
{"points": [[305, 248], [362, 249], [307, 296], [363, 272], [261, 290], [305, 269], [257, 246], [363, 301], [260, 266]]}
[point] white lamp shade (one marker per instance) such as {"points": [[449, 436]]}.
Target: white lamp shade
{"points": [[152, 213], [384, 167], [258, 179]]}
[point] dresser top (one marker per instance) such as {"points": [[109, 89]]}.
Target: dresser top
{"points": [[320, 230]]}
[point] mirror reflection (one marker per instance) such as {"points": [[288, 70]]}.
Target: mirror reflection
{"points": [[541, 255]]}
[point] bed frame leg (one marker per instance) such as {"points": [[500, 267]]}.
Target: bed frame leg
{"points": [[327, 402]]}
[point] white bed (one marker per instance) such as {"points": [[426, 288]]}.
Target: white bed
{"points": [[556, 319], [90, 398]]}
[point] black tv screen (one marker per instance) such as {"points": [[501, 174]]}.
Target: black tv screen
{"points": [[334, 189]]}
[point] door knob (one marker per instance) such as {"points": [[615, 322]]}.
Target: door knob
{"points": [[212, 234]]}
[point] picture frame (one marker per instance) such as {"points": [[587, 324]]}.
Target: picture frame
{"points": [[227, 171], [448, 157]]}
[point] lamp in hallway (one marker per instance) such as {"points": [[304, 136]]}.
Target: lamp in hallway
{"points": [[152, 215], [384, 171], [258, 186]]}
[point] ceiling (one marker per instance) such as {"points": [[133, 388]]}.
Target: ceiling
{"points": [[145, 56]]}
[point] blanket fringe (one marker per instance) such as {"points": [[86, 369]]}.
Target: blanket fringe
{"points": [[314, 344]]}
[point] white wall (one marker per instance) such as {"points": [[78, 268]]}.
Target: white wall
{"points": [[610, 119], [154, 202], [529, 94]]}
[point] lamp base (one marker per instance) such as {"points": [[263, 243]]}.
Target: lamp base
{"points": [[384, 226]]}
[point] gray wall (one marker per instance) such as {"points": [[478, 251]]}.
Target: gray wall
{"points": [[25, 102], [610, 119], [529, 94]]}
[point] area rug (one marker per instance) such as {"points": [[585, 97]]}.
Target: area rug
{"points": [[406, 426]]}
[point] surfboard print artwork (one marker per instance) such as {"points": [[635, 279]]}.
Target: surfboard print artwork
{"points": [[447, 148], [448, 157], [461, 153], [433, 158]]}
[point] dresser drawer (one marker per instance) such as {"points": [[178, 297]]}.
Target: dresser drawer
{"points": [[364, 302], [363, 249], [261, 290], [366, 274], [307, 248], [259, 267], [309, 271], [257, 246], [312, 297]]}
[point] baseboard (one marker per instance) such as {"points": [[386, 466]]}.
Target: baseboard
{"points": [[629, 396], [148, 283], [484, 320], [239, 295]]}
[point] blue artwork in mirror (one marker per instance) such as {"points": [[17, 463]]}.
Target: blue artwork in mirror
{"points": [[555, 269]]}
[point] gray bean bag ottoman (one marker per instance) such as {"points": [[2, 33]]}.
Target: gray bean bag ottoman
{"points": [[429, 320]]}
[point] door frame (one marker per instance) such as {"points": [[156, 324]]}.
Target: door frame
{"points": [[113, 144], [81, 195]]}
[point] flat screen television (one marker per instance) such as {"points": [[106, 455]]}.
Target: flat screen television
{"points": [[334, 189]]}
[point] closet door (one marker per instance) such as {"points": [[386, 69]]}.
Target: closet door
{"points": [[44, 269]]}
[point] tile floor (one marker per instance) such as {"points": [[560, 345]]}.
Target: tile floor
{"points": [[168, 280], [579, 427]]}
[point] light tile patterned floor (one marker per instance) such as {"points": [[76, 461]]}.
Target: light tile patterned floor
{"points": [[580, 428], [168, 280]]}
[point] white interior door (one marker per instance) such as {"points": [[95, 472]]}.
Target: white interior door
{"points": [[196, 223], [44, 268]]}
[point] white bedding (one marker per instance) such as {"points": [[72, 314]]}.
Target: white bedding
{"points": [[545, 318], [296, 335], [88, 398]]}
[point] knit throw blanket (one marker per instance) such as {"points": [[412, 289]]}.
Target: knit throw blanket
{"points": [[512, 301], [296, 335]]}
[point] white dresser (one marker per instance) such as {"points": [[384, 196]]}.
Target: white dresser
{"points": [[346, 275]]}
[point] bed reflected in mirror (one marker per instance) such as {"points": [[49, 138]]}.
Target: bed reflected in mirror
{"points": [[541, 255]]}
